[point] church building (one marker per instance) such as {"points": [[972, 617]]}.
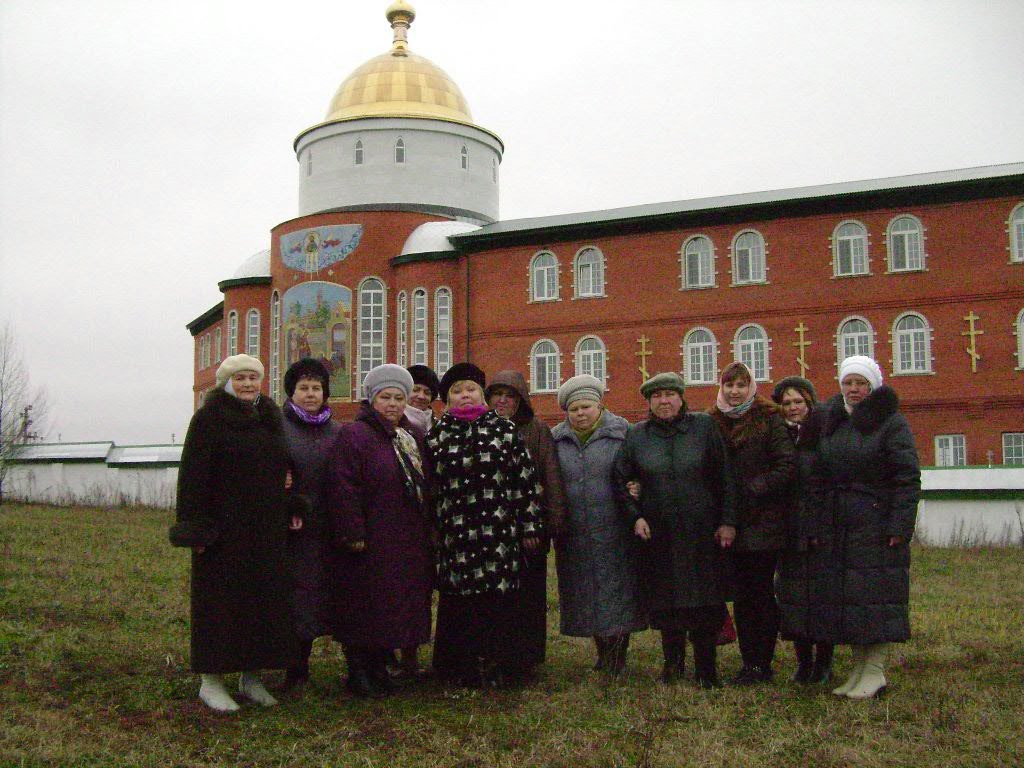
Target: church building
{"points": [[398, 254]]}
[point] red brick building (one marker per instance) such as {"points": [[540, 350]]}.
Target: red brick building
{"points": [[398, 257]]}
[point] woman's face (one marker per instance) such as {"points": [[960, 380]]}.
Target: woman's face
{"points": [[583, 414], [504, 401], [794, 406], [309, 395], [421, 397], [855, 388], [666, 403], [390, 403], [736, 390], [464, 394], [246, 385]]}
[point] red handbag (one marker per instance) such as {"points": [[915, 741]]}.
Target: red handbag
{"points": [[727, 633]]}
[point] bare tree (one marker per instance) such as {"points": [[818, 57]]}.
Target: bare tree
{"points": [[23, 408]]}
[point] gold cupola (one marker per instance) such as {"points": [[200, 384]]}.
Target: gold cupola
{"points": [[399, 83]]}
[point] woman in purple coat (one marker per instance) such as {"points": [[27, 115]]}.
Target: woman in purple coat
{"points": [[383, 565]]}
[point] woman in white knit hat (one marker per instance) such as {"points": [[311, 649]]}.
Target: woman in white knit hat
{"points": [[233, 513], [862, 493]]}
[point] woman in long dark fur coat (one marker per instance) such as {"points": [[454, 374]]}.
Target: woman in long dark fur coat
{"points": [[232, 512], [862, 494]]}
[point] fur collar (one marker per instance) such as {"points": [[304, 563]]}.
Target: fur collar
{"points": [[867, 416], [236, 413], [755, 423]]}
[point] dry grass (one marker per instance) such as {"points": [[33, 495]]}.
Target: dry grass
{"points": [[93, 639]]}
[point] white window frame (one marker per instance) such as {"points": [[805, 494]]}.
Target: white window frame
{"points": [[592, 359], [703, 260], [357, 155], [420, 312], [1013, 448], [252, 332], [841, 352], [218, 345], [275, 347], [550, 277], [708, 352], [1015, 225], [593, 286], [901, 338], [442, 330], [402, 329], [232, 333], [858, 249], [551, 366], [745, 350], [756, 255], [372, 327], [950, 450], [892, 236], [400, 151]]}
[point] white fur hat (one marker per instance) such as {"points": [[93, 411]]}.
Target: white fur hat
{"points": [[384, 376], [236, 363], [862, 366]]}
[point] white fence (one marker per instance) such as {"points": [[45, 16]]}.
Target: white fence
{"points": [[964, 506]]}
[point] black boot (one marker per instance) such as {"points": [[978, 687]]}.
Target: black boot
{"points": [[822, 670], [377, 671], [706, 672], [673, 648], [358, 682], [602, 652], [804, 661], [615, 659]]}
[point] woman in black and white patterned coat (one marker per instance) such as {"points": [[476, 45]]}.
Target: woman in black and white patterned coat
{"points": [[487, 506]]}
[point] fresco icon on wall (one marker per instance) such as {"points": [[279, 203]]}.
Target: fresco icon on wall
{"points": [[311, 250], [318, 324]]}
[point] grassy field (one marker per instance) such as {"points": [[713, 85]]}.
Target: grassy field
{"points": [[94, 672]]}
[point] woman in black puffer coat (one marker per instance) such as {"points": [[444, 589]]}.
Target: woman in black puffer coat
{"points": [[862, 494]]}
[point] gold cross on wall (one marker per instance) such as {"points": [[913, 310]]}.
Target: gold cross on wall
{"points": [[972, 349], [802, 344], [643, 354]]}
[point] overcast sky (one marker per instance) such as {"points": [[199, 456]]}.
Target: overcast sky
{"points": [[146, 147]]}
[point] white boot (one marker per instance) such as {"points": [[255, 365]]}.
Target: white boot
{"points": [[857, 651], [214, 695], [872, 680], [250, 686]]}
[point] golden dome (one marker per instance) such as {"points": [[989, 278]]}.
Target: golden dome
{"points": [[399, 83]]}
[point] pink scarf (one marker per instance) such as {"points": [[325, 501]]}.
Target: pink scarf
{"points": [[735, 411], [469, 413]]}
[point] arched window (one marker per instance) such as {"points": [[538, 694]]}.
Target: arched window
{"points": [[700, 358], [911, 345], [752, 350], [218, 345], [252, 333], [204, 352], [442, 331], [544, 375], [1019, 330], [850, 249], [232, 333], [419, 327], [275, 347], [697, 263], [465, 159], [402, 331], [1017, 234], [748, 258], [371, 327], [359, 152], [309, 161], [854, 337], [544, 277], [400, 151], [590, 357], [906, 249], [589, 271]]}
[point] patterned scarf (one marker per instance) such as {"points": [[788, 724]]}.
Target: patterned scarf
{"points": [[320, 417], [734, 412], [412, 464]]}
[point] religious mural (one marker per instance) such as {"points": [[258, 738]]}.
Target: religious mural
{"points": [[317, 323], [311, 250]]}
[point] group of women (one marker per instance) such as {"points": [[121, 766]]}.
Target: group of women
{"points": [[299, 527]]}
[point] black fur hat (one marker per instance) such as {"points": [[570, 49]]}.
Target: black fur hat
{"points": [[800, 384], [425, 377], [307, 368], [460, 372]]}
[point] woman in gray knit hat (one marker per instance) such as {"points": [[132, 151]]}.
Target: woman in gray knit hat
{"points": [[683, 521], [597, 582]]}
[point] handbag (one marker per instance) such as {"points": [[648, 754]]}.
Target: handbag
{"points": [[727, 632]]}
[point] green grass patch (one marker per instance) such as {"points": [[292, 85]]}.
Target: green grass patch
{"points": [[94, 672]]}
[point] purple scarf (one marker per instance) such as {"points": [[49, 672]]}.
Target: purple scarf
{"points": [[469, 413], [320, 417]]}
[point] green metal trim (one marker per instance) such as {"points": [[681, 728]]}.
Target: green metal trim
{"points": [[235, 282]]}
